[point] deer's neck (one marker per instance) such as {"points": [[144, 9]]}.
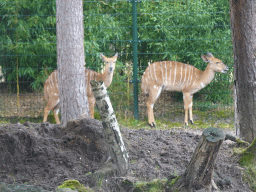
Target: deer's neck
{"points": [[207, 76], [107, 77]]}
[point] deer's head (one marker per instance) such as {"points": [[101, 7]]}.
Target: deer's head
{"points": [[110, 62], [214, 63]]}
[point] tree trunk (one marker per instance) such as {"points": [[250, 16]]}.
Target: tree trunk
{"points": [[71, 60], [199, 172], [243, 26], [112, 134]]}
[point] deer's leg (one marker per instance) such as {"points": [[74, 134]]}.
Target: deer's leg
{"points": [[190, 110], [187, 99], [56, 114], [46, 112], [91, 101], [154, 93], [50, 106]]}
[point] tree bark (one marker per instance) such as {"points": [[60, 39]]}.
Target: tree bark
{"points": [[199, 172], [243, 27], [118, 152], [71, 60]]}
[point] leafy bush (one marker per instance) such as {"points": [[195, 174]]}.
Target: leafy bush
{"points": [[167, 30]]}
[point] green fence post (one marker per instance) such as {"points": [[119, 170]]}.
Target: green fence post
{"points": [[135, 58]]}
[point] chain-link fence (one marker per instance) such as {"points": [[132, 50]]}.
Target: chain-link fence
{"points": [[141, 32]]}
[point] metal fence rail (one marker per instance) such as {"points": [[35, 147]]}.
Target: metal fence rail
{"points": [[140, 31]]}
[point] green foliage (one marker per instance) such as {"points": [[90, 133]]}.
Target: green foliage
{"points": [[74, 184], [154, 186], [167, 30], [28, 40]]}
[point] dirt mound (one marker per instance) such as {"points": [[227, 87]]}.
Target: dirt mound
{"points": [[46, 155]]}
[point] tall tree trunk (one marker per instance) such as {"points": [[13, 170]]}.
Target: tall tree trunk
{"points": [[71, 60], [243, 26]]}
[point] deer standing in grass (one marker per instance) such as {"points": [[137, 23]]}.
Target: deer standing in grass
{"points": [[176, 76], [51, 92]]}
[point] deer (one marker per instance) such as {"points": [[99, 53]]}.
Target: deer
{"points": [[51, 92], [180, 77]]}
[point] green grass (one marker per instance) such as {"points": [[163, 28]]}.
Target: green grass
{"points": [[205, 119], [74, 185], [220, 119], [153, 186], [247, 159]]}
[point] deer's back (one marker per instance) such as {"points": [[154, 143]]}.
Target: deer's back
{"points": [[171, 75], [51, 84]]}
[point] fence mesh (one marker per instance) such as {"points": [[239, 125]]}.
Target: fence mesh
{"points": [[177, 30]]}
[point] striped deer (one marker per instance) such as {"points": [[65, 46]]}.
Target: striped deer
{"points": [[51, 92], [176, 76]]}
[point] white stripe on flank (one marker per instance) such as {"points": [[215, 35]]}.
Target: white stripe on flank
{"points": [[56, 80], [174, 73], [151, 71], [189, 76], [192, 75], [184, 80], [195, 78], [51, 81], [181, 74], [165, 74], [90, 78], [170, 72], [155, 72], [162, 73]]}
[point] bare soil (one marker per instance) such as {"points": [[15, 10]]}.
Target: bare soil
{"points": [[46, 155]]}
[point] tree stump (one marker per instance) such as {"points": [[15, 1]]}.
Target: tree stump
{"points": [[199, 172]]}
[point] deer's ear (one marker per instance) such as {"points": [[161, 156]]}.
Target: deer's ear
{"points": [[209, 55], [116, 55], [102, 57], [204, 58]]}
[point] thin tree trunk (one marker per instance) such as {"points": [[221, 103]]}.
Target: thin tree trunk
{"points": [[71, 60], [118, 152], [199, 172], [243, 26]]}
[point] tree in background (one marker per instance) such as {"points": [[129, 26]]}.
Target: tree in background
{"points": [[71, 60], [243, 24]]}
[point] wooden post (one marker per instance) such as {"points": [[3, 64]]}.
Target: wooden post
{"points": [[199, 172], [112, 134]]}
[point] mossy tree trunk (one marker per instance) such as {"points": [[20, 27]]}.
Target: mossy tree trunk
{"points": [[118, 153], [199, 172]]}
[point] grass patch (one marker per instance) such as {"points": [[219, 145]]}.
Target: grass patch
{"points": [[173, 181], [74, 184], [204, 120], [219, 119], [247, 159], [154, 186]]}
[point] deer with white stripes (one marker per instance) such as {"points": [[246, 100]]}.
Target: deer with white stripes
{"points": [[51, 92], [176, 76]]}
